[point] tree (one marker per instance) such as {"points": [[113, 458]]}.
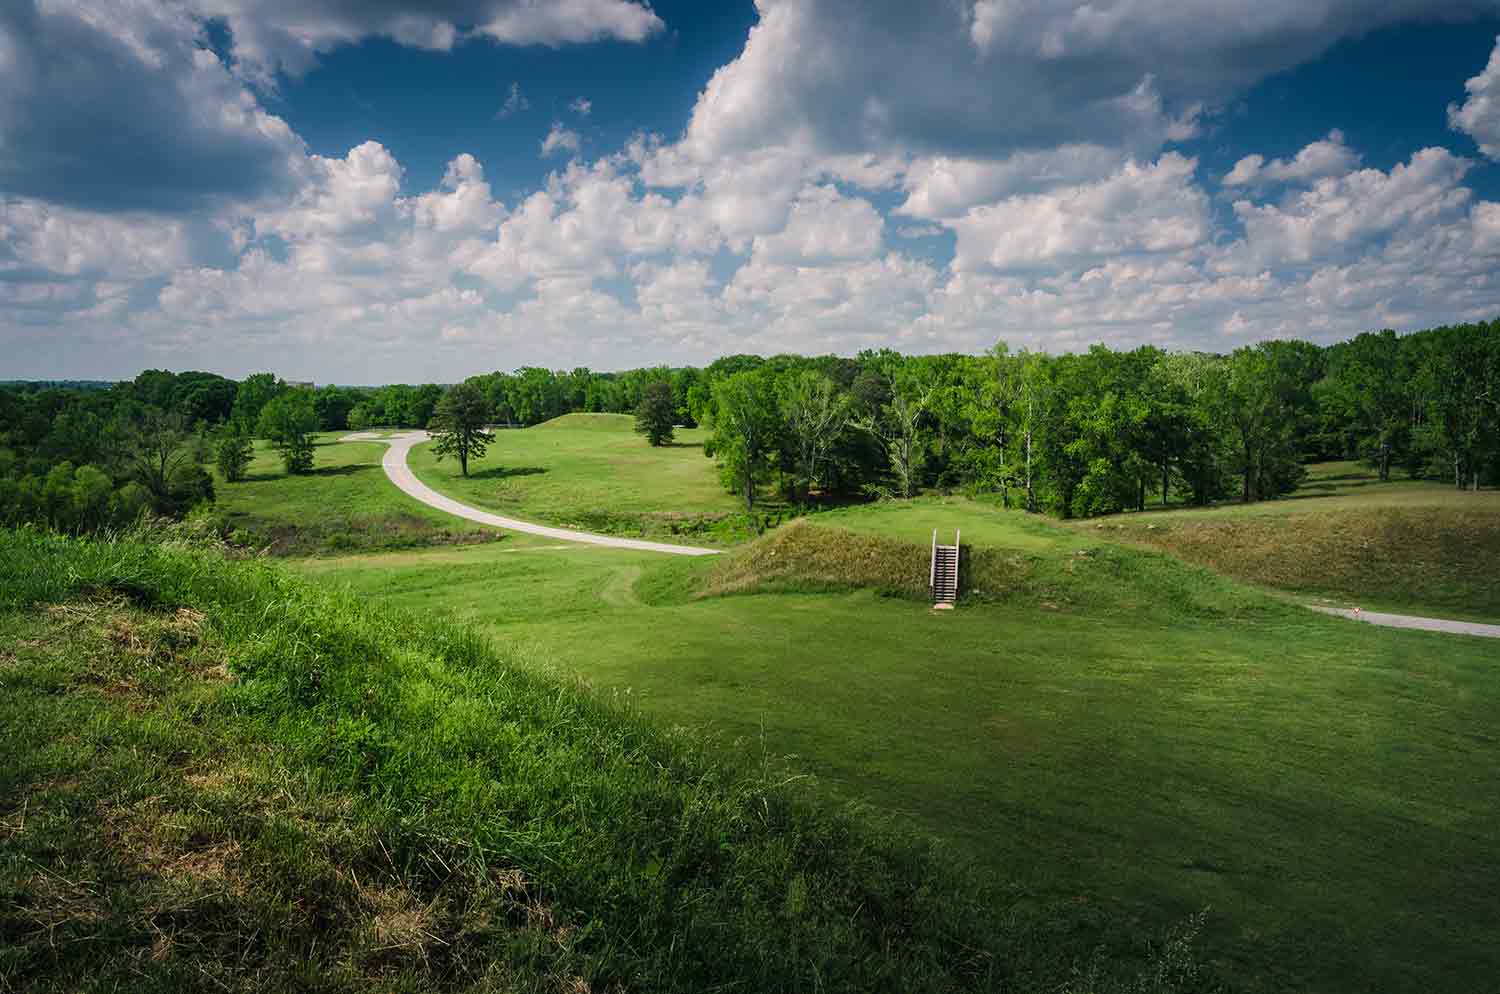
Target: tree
{"points": [[288, 421], [159, 458], [899, 431], [745, 425], [656, 413], [458, 424], [815, 415], [233, 454], [254, 393]]}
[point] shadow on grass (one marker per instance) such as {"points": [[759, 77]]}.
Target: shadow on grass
{"points": [[504, 472], [323, 471]]}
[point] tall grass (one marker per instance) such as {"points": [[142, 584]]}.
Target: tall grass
{"points": [[419, 810]]}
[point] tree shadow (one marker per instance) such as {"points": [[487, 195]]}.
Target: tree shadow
{"points": [[342, 470], [503, 472], [683, 445]]}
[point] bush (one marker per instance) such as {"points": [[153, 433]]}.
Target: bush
{"points": [[233, 455]]}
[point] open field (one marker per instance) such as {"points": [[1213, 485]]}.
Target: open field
{"points": [[593, 473], [220, 779], [1410, 546], [345, 504], [1098, 723], [1152, 748]]}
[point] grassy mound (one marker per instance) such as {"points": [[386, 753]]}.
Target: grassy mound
{"points": [[589, 422], [220, 777], [1438, 559], [806, 556]]}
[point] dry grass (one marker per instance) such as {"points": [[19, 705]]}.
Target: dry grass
{"points": [[802, 556], [1440, 559]]}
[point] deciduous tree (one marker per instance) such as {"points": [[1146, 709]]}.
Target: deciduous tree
{"points": [[458, 424]]}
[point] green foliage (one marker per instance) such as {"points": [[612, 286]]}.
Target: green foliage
{"points": [[458, 425], [745, 422], [656, 416], [254, 393], [232, 455], [288, 421]]}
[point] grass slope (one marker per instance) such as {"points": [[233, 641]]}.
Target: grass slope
{"points": [[1112, 727], [219, 778], [591, 471], [345, 504], [1413, 546]]}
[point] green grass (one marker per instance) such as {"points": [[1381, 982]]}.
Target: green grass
{"points": [[345, 504], [1412, 546], [1112, 729], [591, 471], [216, 777]]}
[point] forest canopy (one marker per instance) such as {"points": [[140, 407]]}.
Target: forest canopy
{"points": [[1074, 435]]}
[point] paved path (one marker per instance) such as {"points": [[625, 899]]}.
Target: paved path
{"points": [[1412, 621], [394, 464]]}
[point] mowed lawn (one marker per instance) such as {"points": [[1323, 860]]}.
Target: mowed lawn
{"points": [[1414, 546], [345, 503], [1327, 790], [591, 471]]}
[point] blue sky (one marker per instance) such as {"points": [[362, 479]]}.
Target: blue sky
{"points": [[396, 191]]}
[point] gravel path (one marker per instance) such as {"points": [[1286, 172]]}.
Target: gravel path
{"points": [[1412, 621], [394, 464]]}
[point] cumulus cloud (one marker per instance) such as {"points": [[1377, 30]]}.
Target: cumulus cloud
{"points": [[276, 36], [1140, 209], [561, 139], [122, 108], [991, 78], [1068, 220], [1340, 215], [582, 106], [1479, 116], [823, 226], [941, 186], [1325, 157]]}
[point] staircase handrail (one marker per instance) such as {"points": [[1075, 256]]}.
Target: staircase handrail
{"points": [[932, 572]]}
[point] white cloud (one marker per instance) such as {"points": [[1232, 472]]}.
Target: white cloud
{"points": [[582, 106], [1069, 222], [1340, 215], [940, 186], [988, 79], [1479, 117], [823, 226], [561, 139], [1325, 157], [1141, 208], [275, 36]]}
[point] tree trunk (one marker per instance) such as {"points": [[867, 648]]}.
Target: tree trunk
{"points": [[1030, 497], [1385, 461], [1166, 479], [1140, 493]]}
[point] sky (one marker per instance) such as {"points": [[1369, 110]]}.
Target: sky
{"points": [[366, 191]]}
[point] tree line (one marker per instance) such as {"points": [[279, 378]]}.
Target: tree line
{"points": [[1075, 434]]}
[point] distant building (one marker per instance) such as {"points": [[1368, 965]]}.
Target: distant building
{"points": [[301, 384]]}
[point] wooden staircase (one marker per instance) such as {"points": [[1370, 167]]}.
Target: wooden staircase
{"points": [[944, 574]]}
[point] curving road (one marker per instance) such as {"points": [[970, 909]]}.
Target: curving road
{"points": [[394, 464], [1412, 621]]}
